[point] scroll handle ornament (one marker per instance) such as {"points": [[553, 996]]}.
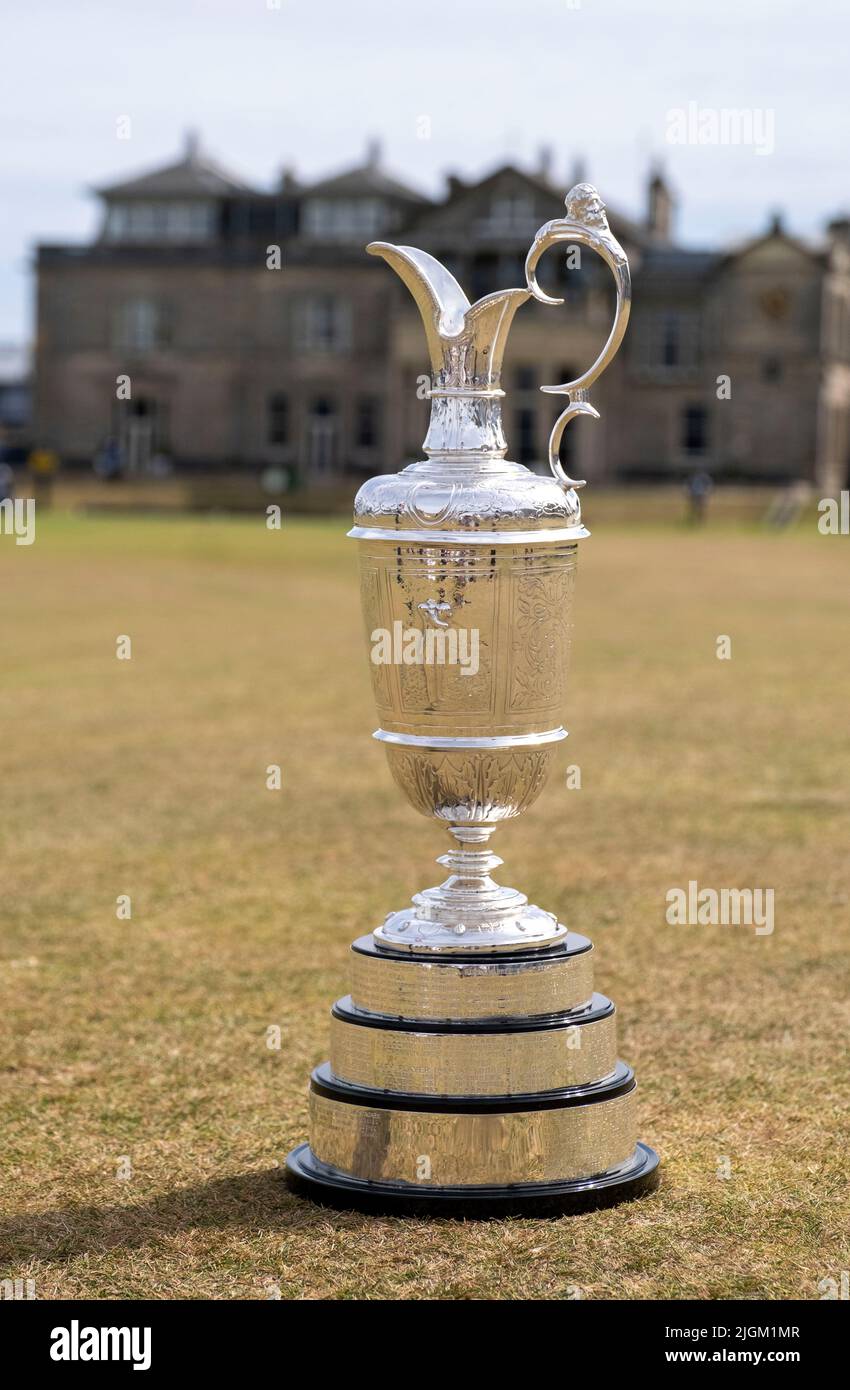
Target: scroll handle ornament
{"points": [[585, 224]]}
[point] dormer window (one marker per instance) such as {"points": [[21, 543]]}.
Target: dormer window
{"points": [[344, 219], [142, 220]]}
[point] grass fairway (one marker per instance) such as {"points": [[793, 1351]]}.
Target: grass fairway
{"points": [[144, 1115]]}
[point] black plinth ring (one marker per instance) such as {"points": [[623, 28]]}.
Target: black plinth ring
{"points": [[307, 1177], [599, 1007], [619, 1083]]}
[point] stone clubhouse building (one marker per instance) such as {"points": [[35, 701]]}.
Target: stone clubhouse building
{"points": [[256, 334]]}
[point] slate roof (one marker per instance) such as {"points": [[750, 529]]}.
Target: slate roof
{"points": [[623, 227], [367, 180], [678, 263], [193, 176]]}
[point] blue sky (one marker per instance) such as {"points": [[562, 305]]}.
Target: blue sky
{"points": [[270, 84]]}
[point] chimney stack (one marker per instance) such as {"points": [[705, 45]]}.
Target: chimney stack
{"points": [[545, 163], [661, 206], [838, 234], [578, 172], [775, 223]]}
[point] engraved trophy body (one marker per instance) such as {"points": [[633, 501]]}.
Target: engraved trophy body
{"points": [[473, 1069]]}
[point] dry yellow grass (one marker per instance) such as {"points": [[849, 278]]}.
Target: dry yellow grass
{"points": [[147, 1038]]}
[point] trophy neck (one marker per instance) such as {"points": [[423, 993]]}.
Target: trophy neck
{"points": [[465, 424]]}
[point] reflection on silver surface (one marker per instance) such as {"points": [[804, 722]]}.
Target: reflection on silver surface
{"points": [[435, 989], [473, 1064], [528, 1146], [473, 751]]}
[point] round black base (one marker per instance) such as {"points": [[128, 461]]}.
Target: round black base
{"points": [[306, 1177]]}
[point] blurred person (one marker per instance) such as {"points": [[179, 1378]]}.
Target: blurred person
{"points": [[698, 489], [108, 461], [43, 464]]}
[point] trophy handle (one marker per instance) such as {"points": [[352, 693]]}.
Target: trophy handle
{"points": [[586, 225]]}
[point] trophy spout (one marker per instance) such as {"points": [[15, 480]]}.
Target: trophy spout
{"points": [[438, 296], [466, 345], [466, 342]]}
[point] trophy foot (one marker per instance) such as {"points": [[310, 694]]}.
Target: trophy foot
{"points": [[470, 910]]}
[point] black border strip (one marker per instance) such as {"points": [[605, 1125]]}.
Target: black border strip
{"points": [[619, 1083], [600, 1007]]}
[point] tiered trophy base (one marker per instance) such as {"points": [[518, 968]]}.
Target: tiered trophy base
{"points": [[472, 1088]]}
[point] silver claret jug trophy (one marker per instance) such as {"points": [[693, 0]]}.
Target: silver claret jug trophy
{"points": [[473, 1070]]}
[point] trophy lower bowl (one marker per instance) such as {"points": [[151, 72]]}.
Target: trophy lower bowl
{"points": [[471, 781]]}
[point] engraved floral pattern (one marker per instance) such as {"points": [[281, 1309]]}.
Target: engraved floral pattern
{"points": [[465, 785], [541, 640], [518, 499]]}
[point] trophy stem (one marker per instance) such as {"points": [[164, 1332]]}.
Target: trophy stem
{"points": [[471, 865], [469, 911]]}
